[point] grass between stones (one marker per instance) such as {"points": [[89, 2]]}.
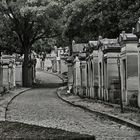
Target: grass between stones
{"points": [[15, 130]]}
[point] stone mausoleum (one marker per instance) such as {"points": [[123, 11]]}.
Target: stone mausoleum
{"points": [[92, 70], [129, 68], [109, 51]]}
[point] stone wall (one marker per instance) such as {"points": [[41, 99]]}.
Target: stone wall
{"points": [[7, 72]]}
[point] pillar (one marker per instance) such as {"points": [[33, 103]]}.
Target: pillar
{"points": [[70, 77], [83, 78]]}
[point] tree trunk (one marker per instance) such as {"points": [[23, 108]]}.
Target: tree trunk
{"points": [[70, 46], [27, 70]]}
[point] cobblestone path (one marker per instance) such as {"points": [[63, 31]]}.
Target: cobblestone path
{"points": [[43, 107]]}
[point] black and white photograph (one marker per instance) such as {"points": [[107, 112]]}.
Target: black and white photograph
{"points": [[70, 69]]}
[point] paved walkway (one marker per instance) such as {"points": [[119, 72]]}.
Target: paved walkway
{"points": [[41, 106], [47, 78], [6, 98], [131, 116]]}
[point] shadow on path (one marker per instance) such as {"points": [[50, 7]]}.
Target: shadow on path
{"points": [[48, 80], [16, 130], [38, 84]]}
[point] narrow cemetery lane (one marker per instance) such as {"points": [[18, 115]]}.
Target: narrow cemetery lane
{"points": [[41, 106], [48, 78]]}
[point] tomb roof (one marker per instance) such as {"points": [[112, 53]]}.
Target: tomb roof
{"points": [[110, 43], [127, 37], [70, 59], [7, 56], [76, 48], [93, 44], [106, 41], [82, 56]]}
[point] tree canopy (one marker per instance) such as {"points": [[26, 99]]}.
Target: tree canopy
{"points": [[81, 20], [29, 24], [26, 22], [85, 20], [29, 21]]}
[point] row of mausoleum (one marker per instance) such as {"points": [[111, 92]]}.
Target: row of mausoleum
{"points": [[106, 69], [54, 61], [11, 72], [7, 72]]}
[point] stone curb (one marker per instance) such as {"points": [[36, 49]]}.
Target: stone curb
{"points": [[117, 119], [10, 101], [118, 106]]}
